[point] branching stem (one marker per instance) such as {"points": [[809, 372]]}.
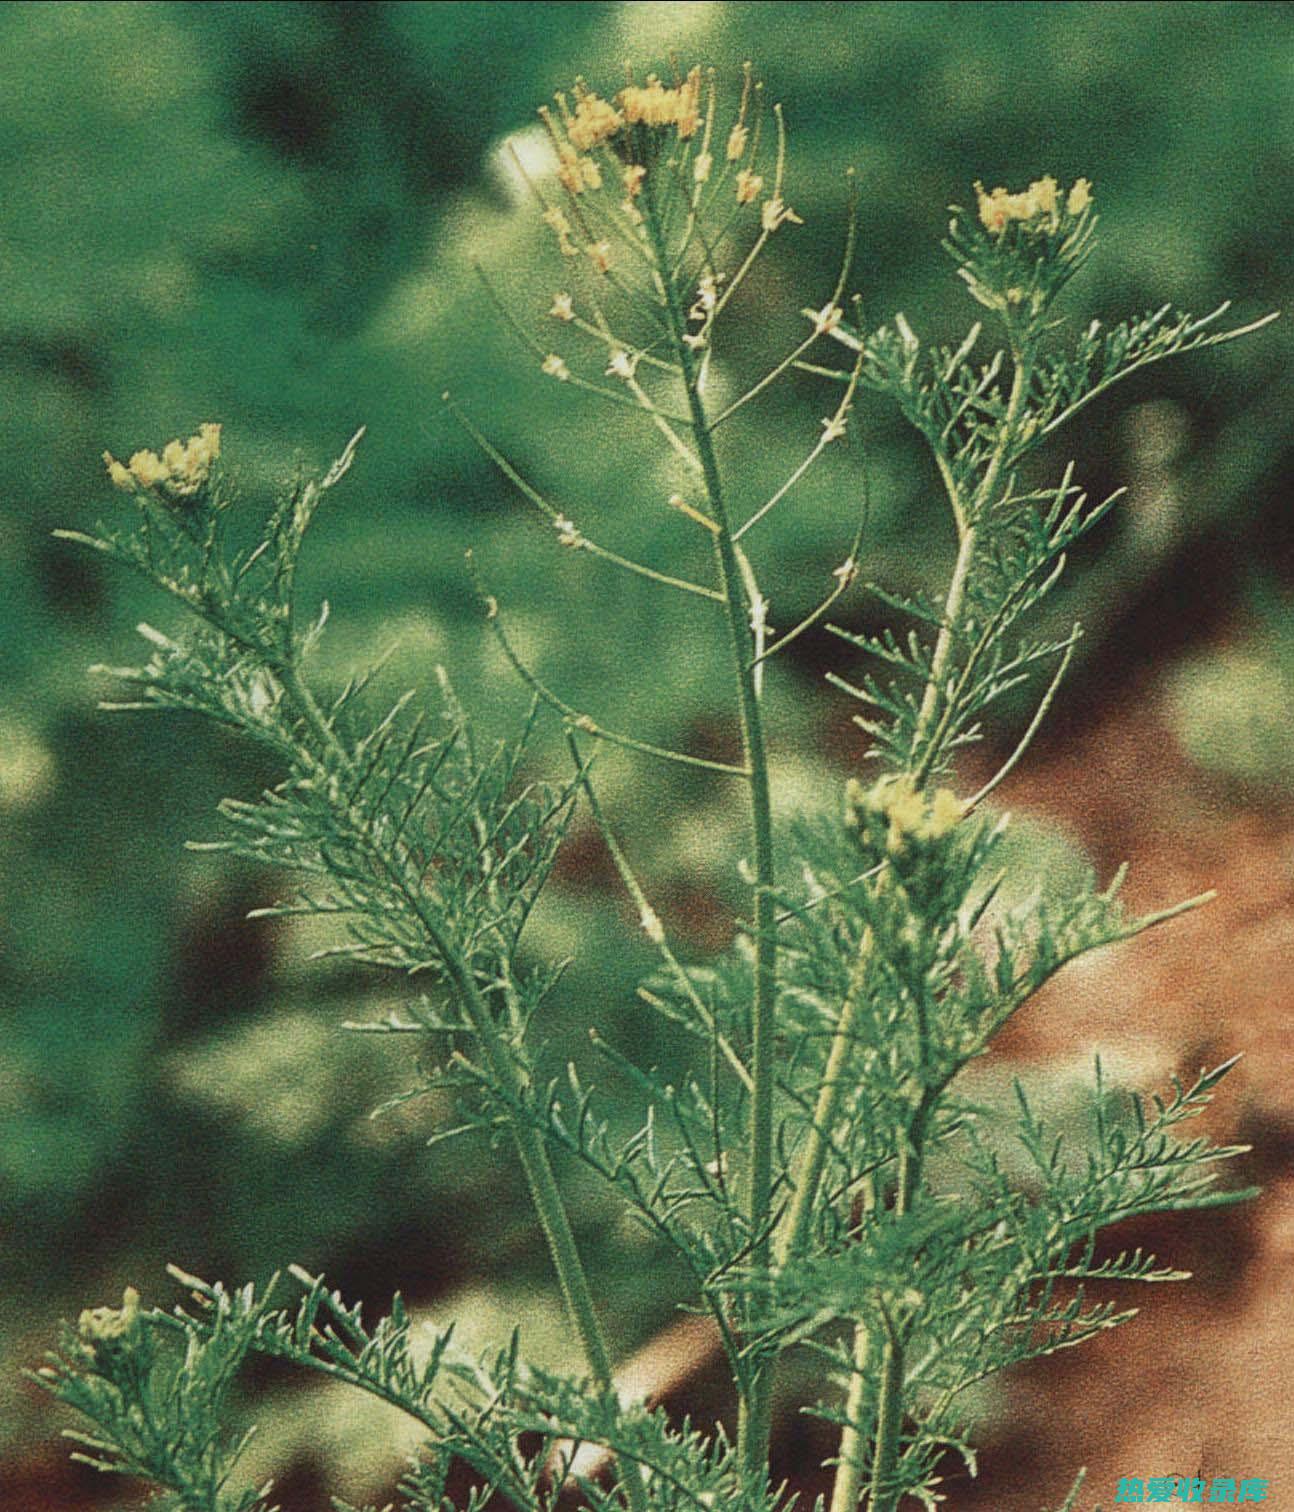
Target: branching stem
{"points": [[967, 521], [882, 1494], [544, 1191]]}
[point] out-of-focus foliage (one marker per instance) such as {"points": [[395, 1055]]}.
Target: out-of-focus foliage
{"points": [[267, 215]]}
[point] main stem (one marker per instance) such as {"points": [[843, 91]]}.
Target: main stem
{"points": [[754, 1414], [544, 1191]]}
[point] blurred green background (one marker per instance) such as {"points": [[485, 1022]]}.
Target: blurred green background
{"points": [[267, 215]]}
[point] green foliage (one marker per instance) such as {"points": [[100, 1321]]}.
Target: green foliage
{"points": [[792, 1168], [269, 213], [158, 1411]]}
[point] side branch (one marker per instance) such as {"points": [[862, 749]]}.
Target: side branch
{"points": [[584, 721], [568, 534]]}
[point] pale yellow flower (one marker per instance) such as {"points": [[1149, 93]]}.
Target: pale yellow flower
{"points": [[689, 104], [98, 1325], [647, 104], [554, 367], [737, 139], [181, 470], [634, 176], [913, 815], [120, 475], [148, 468], [701, 168], [653, 104], [833, 428], [748, 186], [1080, 197], [594, 121], [998, 207], [775, 213], [188, 463], [907, 811], [946, 810], [563, 307], [600, 255], [622, 365], [569, 172], [827, 319]]}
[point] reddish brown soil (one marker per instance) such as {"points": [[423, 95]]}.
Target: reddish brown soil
{"points": [[1202, 1382]]}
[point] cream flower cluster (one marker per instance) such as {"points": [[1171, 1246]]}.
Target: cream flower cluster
{"points": [[911, 814], [595, 120], [587, 122], [998, 207], [181, 470]]}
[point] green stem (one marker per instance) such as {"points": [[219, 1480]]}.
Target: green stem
{"points": [[967, 522], [808, 1176], [882, 1495], [848, 1484], [544, 1191], [849, 1473], [754, 1420]]}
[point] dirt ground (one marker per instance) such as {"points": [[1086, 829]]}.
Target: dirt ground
{"points": [[1202, 1383]]}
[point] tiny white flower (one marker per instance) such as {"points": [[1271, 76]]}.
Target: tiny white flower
{"points": [[707, 296], [759, 615], [827, 319]]}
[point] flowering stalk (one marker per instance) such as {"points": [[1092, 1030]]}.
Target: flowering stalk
{"points": [[754, 1413], [926, 746]]}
